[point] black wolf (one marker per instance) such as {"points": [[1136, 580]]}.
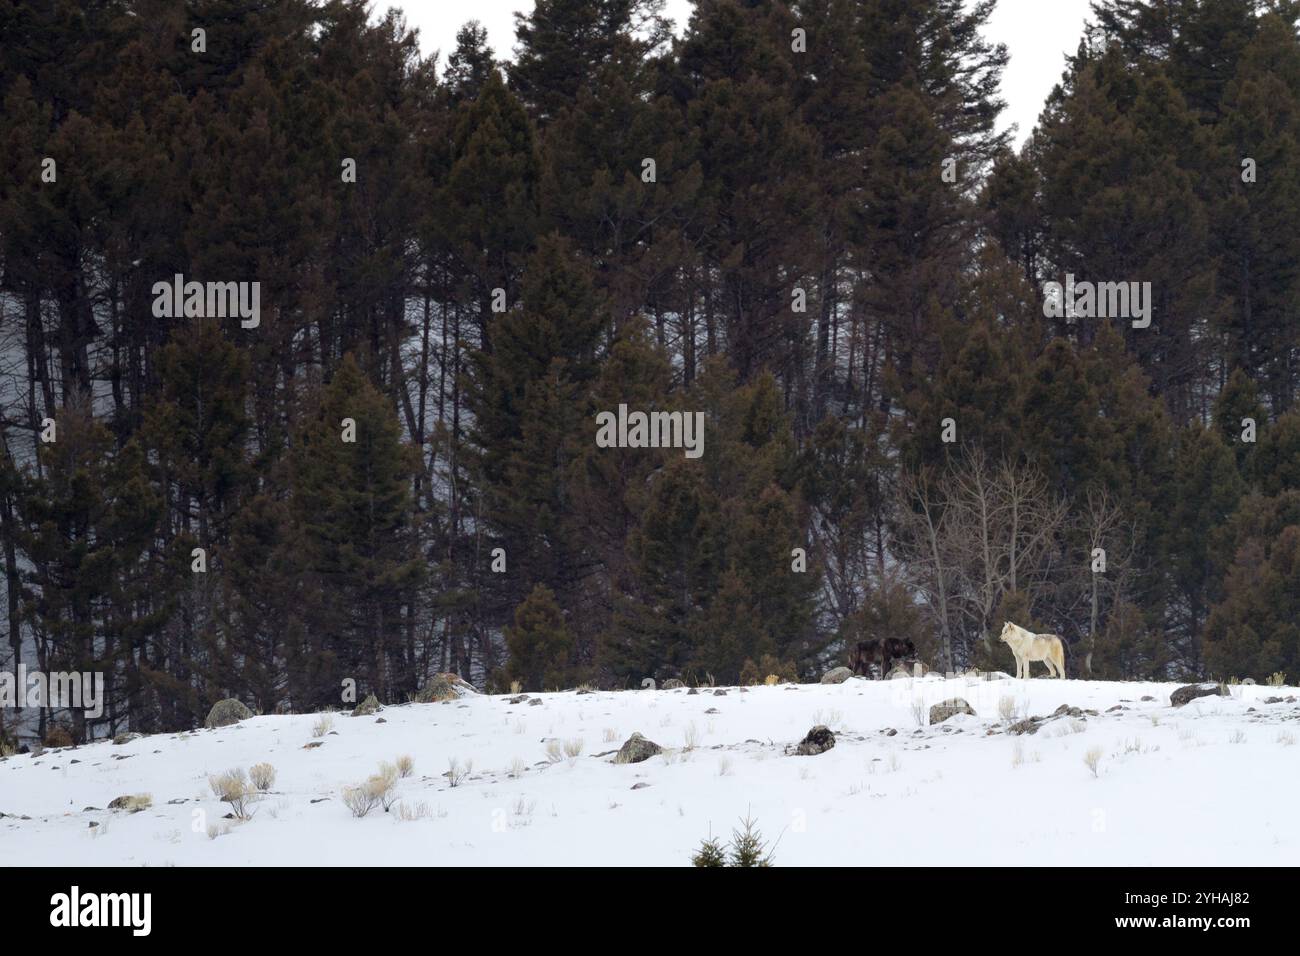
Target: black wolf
{"points": [[883, 652]]}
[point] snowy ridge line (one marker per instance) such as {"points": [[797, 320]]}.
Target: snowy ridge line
{"points": [[1114, 775]]}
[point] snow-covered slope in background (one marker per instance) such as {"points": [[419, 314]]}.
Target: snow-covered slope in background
{"points": [[1213, 782]]}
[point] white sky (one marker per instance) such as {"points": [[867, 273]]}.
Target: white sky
{"points": [[1038, 34]]}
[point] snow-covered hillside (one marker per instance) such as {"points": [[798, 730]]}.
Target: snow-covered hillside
{"points": [[1213, 782]]}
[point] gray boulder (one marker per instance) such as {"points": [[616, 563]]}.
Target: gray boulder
{"points": [[1192, 691], [367, 707], [636, 749], [836, 675], [816, 741], [226, 712], [442, 687], [949, 708], [131, 802]]}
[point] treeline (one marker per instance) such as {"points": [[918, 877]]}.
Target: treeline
{"points": [[798, 218]]}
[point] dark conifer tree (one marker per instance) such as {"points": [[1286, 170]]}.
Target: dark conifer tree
{"points": [[353, 536]]}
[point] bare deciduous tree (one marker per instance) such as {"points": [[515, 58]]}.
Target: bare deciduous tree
{"points": [[976, 535], [924, 542], [1110, 544]]}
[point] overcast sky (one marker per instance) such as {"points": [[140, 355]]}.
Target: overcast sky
{"points": [[1038, 34]]}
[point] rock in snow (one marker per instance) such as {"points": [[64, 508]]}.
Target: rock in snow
{"points": [[442, 687], [1192, 691], [226, 712], [816, 741], [636, 748], [949, 708]]}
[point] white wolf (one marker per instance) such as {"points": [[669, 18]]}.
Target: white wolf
{"points": [[1028, 646]]}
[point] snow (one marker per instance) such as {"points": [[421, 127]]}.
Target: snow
{"points": [[1210, 783]]}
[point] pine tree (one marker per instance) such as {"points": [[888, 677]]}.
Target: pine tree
{"points": [[541, 648], [488, 202], [471, 63], [88, 516], [1203, 493], [712, 549], [1236, 407], [758, 199], [1253, 631], [677, 551], [197, 432], [531, 400], [1123, 147], [563, 45], [980, 386], [1276, 464], [353, 536]]}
